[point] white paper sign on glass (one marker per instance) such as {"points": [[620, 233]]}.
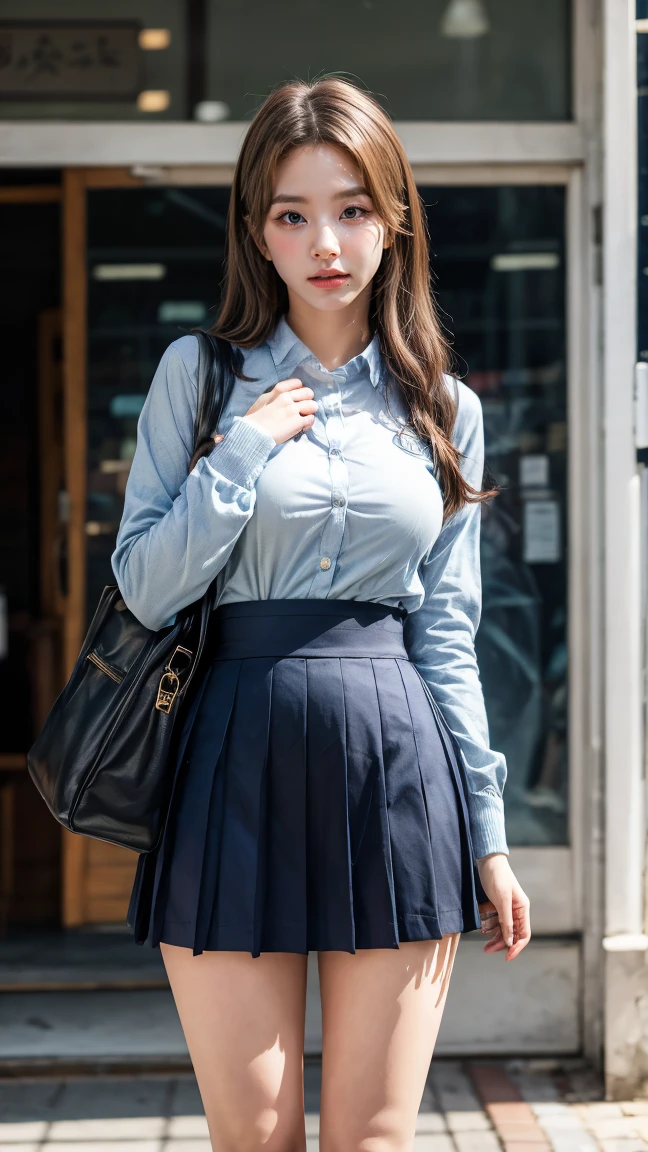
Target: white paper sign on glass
{"points": [[541, 532]]}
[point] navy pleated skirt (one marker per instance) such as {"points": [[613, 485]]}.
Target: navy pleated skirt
{"points": [[319, 797]]}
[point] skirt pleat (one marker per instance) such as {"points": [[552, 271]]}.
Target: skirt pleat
{"points": [[318, 799], [330, 896], [369, 822], [239, 894], [286, 893]]}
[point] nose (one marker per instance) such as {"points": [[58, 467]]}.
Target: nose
{"points": [[326, 245]]}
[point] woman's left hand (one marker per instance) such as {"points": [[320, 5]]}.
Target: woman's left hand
{"points": [[506, 914]]}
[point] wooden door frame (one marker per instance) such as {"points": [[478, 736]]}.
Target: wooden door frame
{"points": [[76, 182]]}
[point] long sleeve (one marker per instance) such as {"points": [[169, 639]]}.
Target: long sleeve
{"points": [[177, 530], [440, 639]]}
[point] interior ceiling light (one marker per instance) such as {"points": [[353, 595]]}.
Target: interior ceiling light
{"points": [[153, 100], [524, 261], [211, 111], [465, 20], [181, 312], [153, 39], [129, 272]]}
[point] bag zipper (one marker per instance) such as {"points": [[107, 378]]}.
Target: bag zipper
{"points": [[105, 668]]}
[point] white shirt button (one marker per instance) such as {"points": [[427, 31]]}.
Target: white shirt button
{"points": [[325, 563]]}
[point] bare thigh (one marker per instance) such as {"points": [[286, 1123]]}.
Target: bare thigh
{"points": [[381, 1012], [243, 1020]]}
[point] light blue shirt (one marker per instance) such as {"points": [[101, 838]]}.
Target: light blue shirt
{"points": [[350, 509]]}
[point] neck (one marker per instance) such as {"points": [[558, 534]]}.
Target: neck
{"points": [[333, 337]]}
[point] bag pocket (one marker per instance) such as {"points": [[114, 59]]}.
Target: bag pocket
{"points": [[115, 674]]}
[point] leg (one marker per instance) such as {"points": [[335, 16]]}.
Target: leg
{"points": [[381, 1012], [243, 1020]]}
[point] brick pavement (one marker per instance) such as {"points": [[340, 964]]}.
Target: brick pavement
{"points": [[468, 1106]]}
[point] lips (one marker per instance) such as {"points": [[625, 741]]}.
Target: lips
{"points": [[328, 274], [329, 278]]}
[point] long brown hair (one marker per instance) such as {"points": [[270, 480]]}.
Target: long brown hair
{"points": [[402, 309]]}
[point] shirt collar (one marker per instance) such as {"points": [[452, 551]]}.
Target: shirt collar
{"points": [[288, 351]]}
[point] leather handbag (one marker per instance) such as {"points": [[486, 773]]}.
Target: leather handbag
{"points": [[103, 760]]}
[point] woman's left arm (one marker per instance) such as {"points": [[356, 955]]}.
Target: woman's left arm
{"points": [[440, 640]]}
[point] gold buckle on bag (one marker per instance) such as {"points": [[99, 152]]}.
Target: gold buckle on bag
{"points": [[169, 685]]}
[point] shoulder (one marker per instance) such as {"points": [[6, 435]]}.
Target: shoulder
{"points": [[469, 405], [181, 358], [183, 355], [468, 430], [469, 418]]}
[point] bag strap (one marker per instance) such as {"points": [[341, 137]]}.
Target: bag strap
{"points": [[218, 363], [217, 370]]}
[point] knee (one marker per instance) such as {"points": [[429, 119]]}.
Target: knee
{"points": [[264, 1133], [383, 1134], [348, 1143]]}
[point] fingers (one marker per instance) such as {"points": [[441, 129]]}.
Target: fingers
{"points": [[509, 928], [521, 923], [506, 918], [292, 385], [307, 407], [302, 397], [488, 916]]}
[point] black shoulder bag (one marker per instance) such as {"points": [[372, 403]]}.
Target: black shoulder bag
{"points": [[102, 761]]}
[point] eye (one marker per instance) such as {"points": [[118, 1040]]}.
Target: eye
{"points": [[289, 213], [355, 208], [288, 224], [292, 212]]}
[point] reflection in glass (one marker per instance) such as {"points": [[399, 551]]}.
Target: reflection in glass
{"points": [[154, 266], [498, 255], [80, 80], [424, 59]]}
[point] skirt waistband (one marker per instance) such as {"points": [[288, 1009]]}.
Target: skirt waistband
{"points": [[306, 627]]}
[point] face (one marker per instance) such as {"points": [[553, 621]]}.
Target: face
{"points": [[322, 220]]}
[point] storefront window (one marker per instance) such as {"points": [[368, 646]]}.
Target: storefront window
{"points": [[154, 265], [498, 254], [111, 60], [499, 262], [425, 59]]}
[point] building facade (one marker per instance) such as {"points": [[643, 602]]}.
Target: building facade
{"points": [[119, 129]]}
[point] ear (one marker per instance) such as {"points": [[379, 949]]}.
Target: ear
{"points": [[262, 245], [388, 240], [263, 248]]}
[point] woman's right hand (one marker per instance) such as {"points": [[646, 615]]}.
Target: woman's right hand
{"points": [[284, 411]]}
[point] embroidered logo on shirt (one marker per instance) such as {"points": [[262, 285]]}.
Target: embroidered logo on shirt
{"points": [[412, 445]]}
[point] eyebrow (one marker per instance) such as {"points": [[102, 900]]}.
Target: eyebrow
{"points": [[356, 190]]}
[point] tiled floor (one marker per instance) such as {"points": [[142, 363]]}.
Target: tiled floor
{"points": [[515, 1106]]}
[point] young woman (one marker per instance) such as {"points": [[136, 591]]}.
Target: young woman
{"points": [[336, 791]]}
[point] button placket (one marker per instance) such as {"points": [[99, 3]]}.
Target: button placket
{"points": [[333, 533]]}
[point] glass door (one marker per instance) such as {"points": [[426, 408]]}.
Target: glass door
{"points": [[505, 258], [143, 266]]}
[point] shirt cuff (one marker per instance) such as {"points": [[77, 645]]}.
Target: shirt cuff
{"points": [[487, 827], [242, 455]]}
